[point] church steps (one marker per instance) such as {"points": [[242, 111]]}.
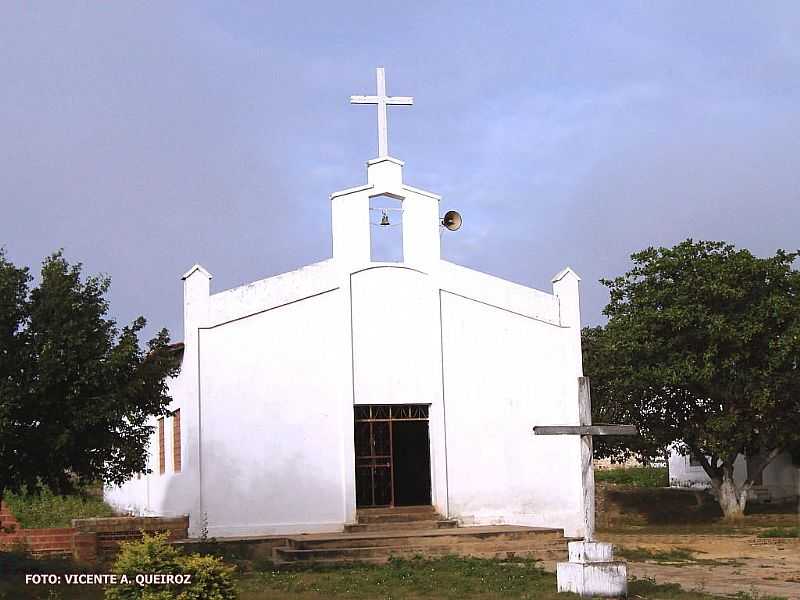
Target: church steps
{"points": [[390, 510], [423, 537], [485, 542], [410, 525], [398, 515], [539, 549]]}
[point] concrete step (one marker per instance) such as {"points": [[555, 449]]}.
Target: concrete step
{"points": [[386, 510], [422, 538], [501, 541], [498, 549], [401, 526], [398, 517], [397, 514]]}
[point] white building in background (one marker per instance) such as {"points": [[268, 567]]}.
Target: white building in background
{"points": [[779, 482], [358, 382]]}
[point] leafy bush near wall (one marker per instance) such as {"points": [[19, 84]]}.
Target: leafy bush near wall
{"points": [[46, 509], [649, 477], [210, 577]]}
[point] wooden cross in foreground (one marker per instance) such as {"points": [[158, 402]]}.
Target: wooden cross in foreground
{"points": [[586, 430], [382, 100]]}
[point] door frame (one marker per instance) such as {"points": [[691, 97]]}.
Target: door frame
{"points": [[385, 413]]}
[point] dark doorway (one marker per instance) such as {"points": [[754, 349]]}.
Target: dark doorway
{"points": [[412, 463], [393, 460]]}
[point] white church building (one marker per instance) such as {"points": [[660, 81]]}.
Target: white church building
{"points": [[355, 382], [778, 482]]}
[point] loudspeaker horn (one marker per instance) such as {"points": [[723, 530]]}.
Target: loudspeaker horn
{"points": [[451, 220]]}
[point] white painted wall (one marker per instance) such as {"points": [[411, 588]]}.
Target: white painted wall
{"points": [[271, 435], [267, 419], [395, 317], [505, 372]]}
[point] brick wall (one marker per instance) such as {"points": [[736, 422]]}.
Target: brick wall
{"points": [[109, 532], [88, 539]]}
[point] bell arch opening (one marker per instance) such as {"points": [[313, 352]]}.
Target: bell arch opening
{"points": [[386, 229]]}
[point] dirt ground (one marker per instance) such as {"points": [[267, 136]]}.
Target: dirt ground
{"points": [[676, 537], [719, 564]]}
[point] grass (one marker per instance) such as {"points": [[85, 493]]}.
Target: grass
{"points": [[450, 578], [781, 532], [647, 477], [665, 556], [46, 509], [15, 565], [446, 578]]}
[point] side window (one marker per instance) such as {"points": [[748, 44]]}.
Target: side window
{"points": [[161, 456], [176, 440]]}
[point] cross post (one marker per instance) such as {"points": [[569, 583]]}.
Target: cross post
{"points": [[382, 101], [586, 430]]}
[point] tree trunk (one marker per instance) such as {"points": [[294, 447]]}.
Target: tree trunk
{"points": [[732, 500]]}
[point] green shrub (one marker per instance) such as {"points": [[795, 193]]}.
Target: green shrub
{"points": [[211, 579], [649, 477], [45, 509]]}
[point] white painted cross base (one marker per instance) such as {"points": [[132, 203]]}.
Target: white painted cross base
{"points": [[592, 571]]}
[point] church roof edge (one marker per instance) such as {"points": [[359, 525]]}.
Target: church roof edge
{"points": [[422, 192], [381, 159], [563, 273], [196, 267], [352, 190]]}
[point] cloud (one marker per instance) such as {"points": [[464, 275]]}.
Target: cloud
{"points": [[145, 138]]}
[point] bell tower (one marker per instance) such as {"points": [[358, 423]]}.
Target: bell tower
{"points": [[351, 208]]}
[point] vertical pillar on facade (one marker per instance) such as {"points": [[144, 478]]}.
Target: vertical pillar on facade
{"points": [[350, 227], [566, 286], [421, 229], [196, 301]]}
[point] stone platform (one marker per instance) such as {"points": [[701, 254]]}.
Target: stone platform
{"points": [[419, 531], [403, 532]]}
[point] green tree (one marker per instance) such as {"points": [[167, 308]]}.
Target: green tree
{"points": [[76, 393], [702, 350], [602, 368]]}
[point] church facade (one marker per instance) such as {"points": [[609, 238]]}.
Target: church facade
{"points": [[354, 383]]}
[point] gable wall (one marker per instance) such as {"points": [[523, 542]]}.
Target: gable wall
{"points": [[505, 372], [271, 419]]}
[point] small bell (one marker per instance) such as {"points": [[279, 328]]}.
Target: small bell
{"points": [[385, 219]]}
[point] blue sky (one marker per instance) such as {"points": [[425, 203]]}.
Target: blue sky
{"points": [[145, 137]]}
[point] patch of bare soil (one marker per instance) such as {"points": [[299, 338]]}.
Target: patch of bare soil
{"points": [[717, 564]]}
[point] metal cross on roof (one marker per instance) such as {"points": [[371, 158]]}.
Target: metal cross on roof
{"points": [[382, 100], [586, 430]]}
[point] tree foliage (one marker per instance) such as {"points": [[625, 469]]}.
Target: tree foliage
{"points": [[702, 350], [76, 392], [600, 365]]}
